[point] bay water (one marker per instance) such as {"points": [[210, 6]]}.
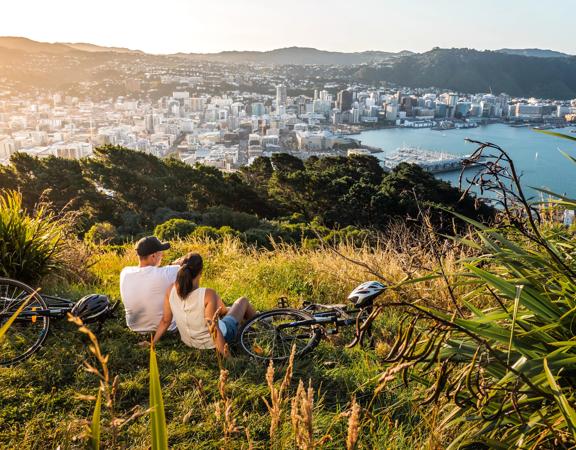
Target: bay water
{"points": [[537, 156]]}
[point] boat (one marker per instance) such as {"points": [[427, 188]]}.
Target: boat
{"points": [[431, 161]]}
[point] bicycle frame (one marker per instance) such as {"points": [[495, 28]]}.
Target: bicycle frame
{"points": [[331, 316], [57, 307]]}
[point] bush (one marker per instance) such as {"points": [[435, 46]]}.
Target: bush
{"points": [[164, 214], [101, 234], [30, 243], [220, 216], [206, 232], [259, 237], [175, 229]]}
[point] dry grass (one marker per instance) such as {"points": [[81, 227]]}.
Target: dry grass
{"points": [[302, 415], [277, 395], [253, 410], [353, 425], [321, 274]]}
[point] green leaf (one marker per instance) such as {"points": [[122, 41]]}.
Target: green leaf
{"points": [[514, 315], [95, 427], [567, 411], [531, 299], [560, 135], [157, 418]]}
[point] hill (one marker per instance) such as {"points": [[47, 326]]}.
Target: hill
{"points": [[534, 52], [296, 55], [98, 48], [468, 70], [30, 46]]}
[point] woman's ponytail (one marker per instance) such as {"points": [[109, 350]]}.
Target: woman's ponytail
{"points": [[190, 267]]}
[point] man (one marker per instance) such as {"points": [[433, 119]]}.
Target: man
{"points": [[143, 287]]}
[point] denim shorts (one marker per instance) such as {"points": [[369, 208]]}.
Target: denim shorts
{"points": [[229, 327]]}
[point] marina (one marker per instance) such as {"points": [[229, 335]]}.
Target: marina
{"points": [[431, 161], [538, 157]]}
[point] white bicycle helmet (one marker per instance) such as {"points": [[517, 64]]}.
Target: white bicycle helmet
{"points": [[366, 292]]}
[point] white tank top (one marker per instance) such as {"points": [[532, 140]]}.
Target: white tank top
{"points": [[189, 317]]}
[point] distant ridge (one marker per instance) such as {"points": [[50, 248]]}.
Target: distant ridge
{"points": [[98, 48], [30, 46], [297, 56], [60, 48], [534, 52], [521, 73], [466, 70]]}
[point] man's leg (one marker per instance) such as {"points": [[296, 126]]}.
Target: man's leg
{"points": [[242, 310]]}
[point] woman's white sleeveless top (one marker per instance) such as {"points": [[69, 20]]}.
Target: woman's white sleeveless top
{"points": [[189, 317]]}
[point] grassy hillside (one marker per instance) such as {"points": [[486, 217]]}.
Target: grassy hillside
{"points": [[41, 407]]}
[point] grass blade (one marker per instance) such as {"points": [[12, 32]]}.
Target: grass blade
{"points": [[560, 135], [12, 318], [567, 410], [95, 427], [157, 418], [514, 314]]}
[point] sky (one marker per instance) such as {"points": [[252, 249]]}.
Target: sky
{"points": [[169, 26]]}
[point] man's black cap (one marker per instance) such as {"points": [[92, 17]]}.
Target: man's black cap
{"points": [[150, 244]]}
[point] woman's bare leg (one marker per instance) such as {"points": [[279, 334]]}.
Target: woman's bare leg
{"points": [[242, 310]]}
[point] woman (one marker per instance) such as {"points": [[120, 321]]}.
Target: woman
{"points": [[194, 309]]}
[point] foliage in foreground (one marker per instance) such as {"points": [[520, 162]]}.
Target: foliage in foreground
{"points": [[505, 357], [31, 244]]}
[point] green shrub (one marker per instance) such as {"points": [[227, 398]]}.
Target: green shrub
{"points": [[175, 229], [30, 243], [101, 234], [164, 214], [219, 216], [259, 237], [228, 231], [206, 232]]}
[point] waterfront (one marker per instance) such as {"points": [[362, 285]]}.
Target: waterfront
{"points": [[536, 155]]}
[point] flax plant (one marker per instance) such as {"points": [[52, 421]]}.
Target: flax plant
{"points": [[31, 243], [505, 359]]}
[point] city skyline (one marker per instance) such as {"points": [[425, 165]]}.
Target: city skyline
{"points": [[183, 26]]}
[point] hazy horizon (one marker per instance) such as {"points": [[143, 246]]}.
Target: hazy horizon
{"points": [[229, 25]]}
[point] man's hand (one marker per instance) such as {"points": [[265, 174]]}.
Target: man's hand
{"points": [[144, 344]]}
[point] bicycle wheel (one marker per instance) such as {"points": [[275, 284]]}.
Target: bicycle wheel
{"points": [[271, 335], [29, 330]]}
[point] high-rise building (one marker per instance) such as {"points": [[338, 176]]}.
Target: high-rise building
{"points": [[344, 100], [281, 96], [150, 123], [258, 109], [7, 148]]}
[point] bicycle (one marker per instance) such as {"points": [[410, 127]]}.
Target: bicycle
{"points": [[271, 335], [30, 328]]}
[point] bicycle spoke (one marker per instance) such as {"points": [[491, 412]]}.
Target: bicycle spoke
{"points": [[29, 330]]}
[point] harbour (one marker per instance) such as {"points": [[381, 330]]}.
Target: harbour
{"points": [[537, 156]]}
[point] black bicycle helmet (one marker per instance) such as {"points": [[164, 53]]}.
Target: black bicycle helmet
{"points": [[366, 292], [92, 308]]}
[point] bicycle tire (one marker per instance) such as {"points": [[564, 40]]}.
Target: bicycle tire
{"points": [[28, 332], [265, 326]]}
